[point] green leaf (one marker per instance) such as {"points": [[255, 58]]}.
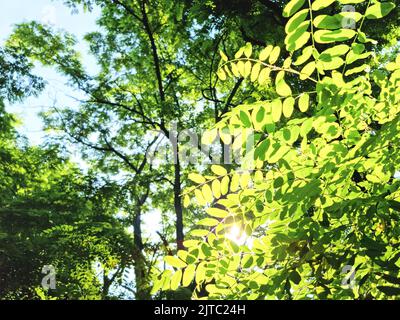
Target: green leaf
{"points": [[260, 113], [278, 154], [308, 70], [221, 74], [199, 233], [327, 22], [306, 127], [208, 222], [248, 50], [298, 38], [197, 178], [276, 110], [274, 56], [216, 188], [304, 102], [199, 197], [200, 273], [292, 7], [209, 136], [224, 185], [355, 70], [282, 88], [239, 53], [235, 70], [218, 213], [336, 51], [264, 54], [188, 275], [329, 36], [379, 10], [330, 63], [247, 261], [207, 193], [245, 119], [255, 72], [219, 170], [174, 262], [176, 280], [223, 56], [186, 201], [296, 20], [264, 76], [321, 4], [262, 149], [305, 56], [288, 107], [247, 69]]}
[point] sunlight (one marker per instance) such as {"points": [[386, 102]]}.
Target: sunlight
{"points": [[237, 235]]}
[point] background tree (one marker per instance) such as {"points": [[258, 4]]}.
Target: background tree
{"points": [[50, 212]]}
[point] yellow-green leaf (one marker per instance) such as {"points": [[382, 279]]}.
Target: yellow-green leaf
{"points": [[197, 178], [308, 70], [188, 275], [176, 280], [221, 74], [248, 50], [264, 76], [292, 7], [264, 54], [207, 193], [255, 72], [276, 110], [225, 185], [217, 213], [330, 36], [223, 56], [219, 170], [296, 20], [274, 56], [247, 69], [216, 188], [288, 107], [304, 102], [379, 10], [174, 262], [282, 88], [321, 4], [208, 222]]}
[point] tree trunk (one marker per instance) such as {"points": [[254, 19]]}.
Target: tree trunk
{"points": [[142, 287], [178, 205]]}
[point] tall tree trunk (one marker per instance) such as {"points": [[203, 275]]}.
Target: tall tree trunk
{"points": [[178, 204], [172, 135], [140, 268]]}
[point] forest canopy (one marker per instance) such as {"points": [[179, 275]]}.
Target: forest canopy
{"points": [[262, 134]]}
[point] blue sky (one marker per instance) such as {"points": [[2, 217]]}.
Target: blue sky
{"points": [[59, 16]]}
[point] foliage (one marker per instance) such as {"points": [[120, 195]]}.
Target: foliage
{"points": [[318, 190], [50, 212]]}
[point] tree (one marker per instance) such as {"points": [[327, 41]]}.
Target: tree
{"points": [[151, 64], [50, 212], [317, 196]]}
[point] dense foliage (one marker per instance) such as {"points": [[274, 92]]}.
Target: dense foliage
{"points": [[318, 191], [292, 191]]}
